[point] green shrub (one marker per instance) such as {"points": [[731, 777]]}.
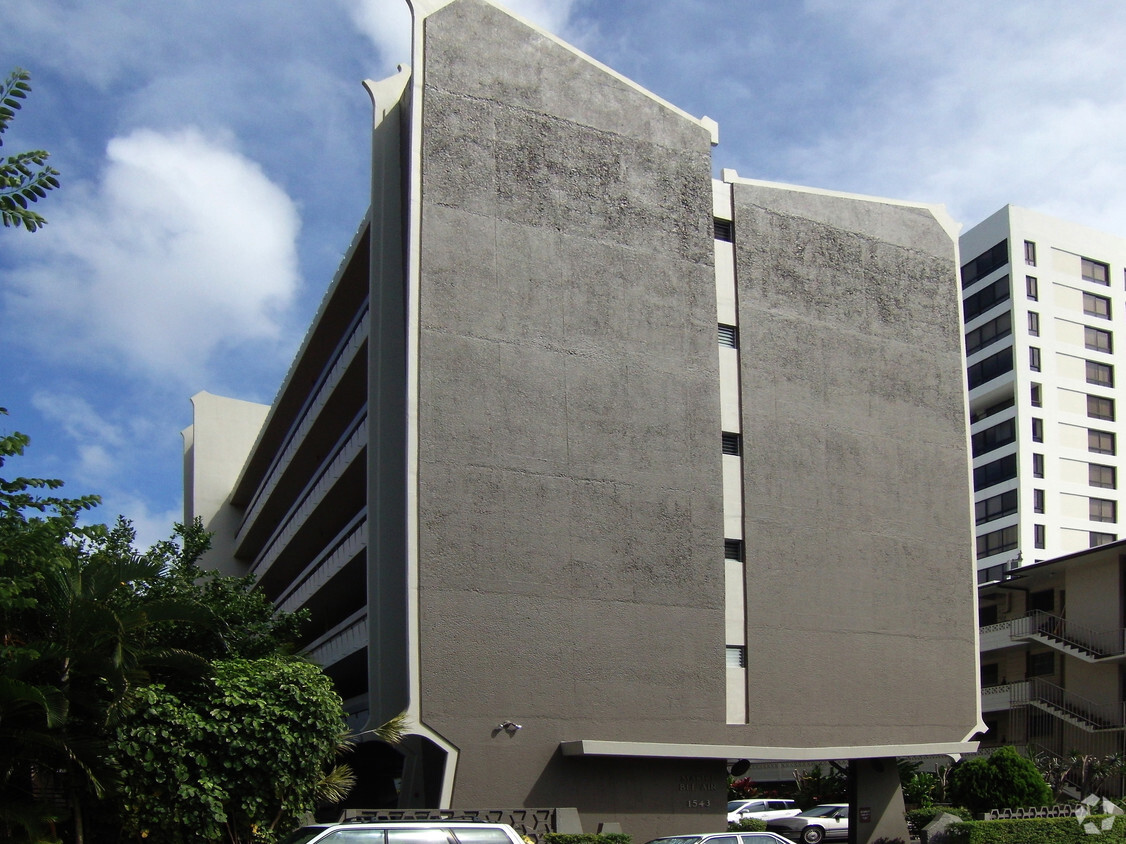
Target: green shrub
{"points": [[1035, 831], [587, 838], [747, 825], [919, 818], [1002, 780]]}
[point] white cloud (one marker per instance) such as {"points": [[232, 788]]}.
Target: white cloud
{"points": [[104, 448], [185, 247], [968, 104], [387, 24], [103, 39], [77, 417]]}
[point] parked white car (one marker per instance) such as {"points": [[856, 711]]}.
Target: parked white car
{"points": [[723, 838], [827, 821], [760, 808]]}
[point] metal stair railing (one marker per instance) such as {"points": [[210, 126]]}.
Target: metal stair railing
{"points": [[1092, 715], [1060, 632]]}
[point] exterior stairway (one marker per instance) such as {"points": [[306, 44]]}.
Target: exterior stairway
{"points": [[1070, 638], [1085, 714]]}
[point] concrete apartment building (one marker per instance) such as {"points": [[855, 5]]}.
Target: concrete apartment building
{"points": [[1053, 647], [1040, 299], [1040, 296], [605, 472]]}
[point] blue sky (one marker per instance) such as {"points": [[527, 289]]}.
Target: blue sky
{"points": [[214, 160]]}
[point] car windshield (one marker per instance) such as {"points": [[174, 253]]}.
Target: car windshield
{"points": [[820, 811], [677, 839], [735, 805]]}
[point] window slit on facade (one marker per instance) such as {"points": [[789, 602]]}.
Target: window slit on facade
{"points": [[736, 656], [732, 443], [728, 336], [1037, 465], [733, 549], [724, 229]]}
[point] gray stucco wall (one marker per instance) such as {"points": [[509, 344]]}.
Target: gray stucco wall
{"points": [[570, 567], [860, 600]]}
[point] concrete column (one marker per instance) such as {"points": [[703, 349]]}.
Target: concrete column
{"points": [[877, 805]]}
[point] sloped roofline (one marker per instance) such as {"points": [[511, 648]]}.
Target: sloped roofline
{"points": [[421, 9]]}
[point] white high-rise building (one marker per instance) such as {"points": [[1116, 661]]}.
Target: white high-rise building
{"points": [[1041, 297]]}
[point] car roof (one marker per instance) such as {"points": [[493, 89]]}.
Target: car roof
{"points": [[439, 824]]}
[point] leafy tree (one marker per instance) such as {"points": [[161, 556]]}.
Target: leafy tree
{"points": [[919, 788], [814, 786], [107, 649], [25, 177], [246, 622], [237, 758], [38, 531], [1002, 780]]}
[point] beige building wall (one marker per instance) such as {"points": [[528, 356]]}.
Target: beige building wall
{"points": [[216, 445]]}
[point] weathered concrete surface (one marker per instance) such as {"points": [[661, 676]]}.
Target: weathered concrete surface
{"points": [[571, 573], [860, 599]]}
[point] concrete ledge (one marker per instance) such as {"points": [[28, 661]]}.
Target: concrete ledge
{"points": [[587, 747]]}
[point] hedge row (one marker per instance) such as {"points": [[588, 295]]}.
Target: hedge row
{"points": [[587, 838], [747, 825], [1038, 831]]}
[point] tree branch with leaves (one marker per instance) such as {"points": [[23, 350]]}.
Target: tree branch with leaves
{"points": [[25, 177]]}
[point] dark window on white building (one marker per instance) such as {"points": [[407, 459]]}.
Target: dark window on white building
{"points": [[1100, 442], [1100, 374], [1099, 407], [1095, 271], [1102, 476], [1097, 339], [1096, 306]]}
